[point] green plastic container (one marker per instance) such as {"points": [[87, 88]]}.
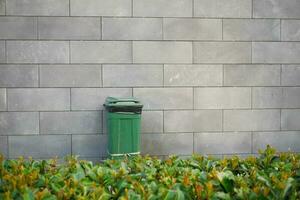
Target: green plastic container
{"points": [[124, 124]]}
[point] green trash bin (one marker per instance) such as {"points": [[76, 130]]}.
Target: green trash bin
{"points": [[123, 124]]}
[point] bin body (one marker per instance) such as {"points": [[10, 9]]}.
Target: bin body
{"points": [[124, 125]]}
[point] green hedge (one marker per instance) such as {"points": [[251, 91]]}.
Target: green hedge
{"points": [[270, 176]]}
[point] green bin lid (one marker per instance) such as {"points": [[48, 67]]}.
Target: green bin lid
{"points": [[120, 102], [114, 104]]}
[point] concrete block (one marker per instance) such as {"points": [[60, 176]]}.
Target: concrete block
{"points": [[2, 52], [100, 8], [37, 51], [192, 29], [165, 144], [290, 119], [39, 146], [101, 52], [152, 122], [93, 98], [225, 9], [165, 98], [192, 121], [89, 145], [69, 28], [4, 146], [162, 52], [132, 75], [38, 7], [37, 99], [19, 123], [193, 75], [291, 97], [18, 76], [267, 97], [251, 29], [163, 8], [275, 52], [86, 122], [290, 75], [251, 120], [132, 28], [222, 52], [222, 98], [2, 7], [3, 103], [251, 75], [70, 76], [290, 30], [276, 9], [18, 28], [222, 143], [281, 141]]}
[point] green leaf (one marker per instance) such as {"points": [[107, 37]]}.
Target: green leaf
{"points": [[288, 188], [226, 179], [28, 195]]}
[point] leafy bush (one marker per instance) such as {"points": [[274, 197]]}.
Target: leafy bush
{"points": [[270, 176]]}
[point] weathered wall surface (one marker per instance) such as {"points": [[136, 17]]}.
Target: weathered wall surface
{"points": [[216, 76]]}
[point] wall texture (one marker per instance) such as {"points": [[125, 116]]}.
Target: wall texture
{"points": [[216, 76]]}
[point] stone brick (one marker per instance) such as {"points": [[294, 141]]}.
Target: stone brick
{"points": [[2, 7], [291, 97], [251, 29], [193, 75], [152, 122], [192, 29], [290, 75], [4, 146], [38, 7], [251, 120], [132, 75], [89, 145], [290, 119], [220, 8], [162, 52], [251, 75], [222, 98], [37, 51], [77, 28], [282, 141], [3, 103], [267, 97], [162, 8], [290, 30], [39, 146], [165, 98], [275, 52], [38, 99], [222, 52], [100, 8], [2, 52], [132, 28], [276, 9], [19, 123], [18, 28], [18, 76], [192, 121], [85, 122], [101, 52], [70, 76], [222, 143], [93, 98], [165, 144]]}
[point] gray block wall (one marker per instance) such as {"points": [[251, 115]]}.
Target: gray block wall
{"points": [[216, 77]]}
